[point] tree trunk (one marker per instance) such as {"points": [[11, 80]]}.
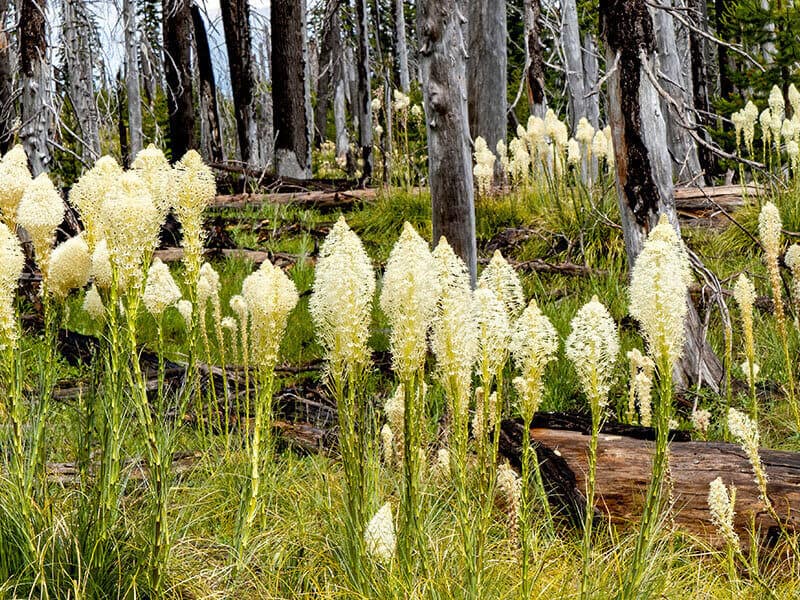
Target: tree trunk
{"points": [[363, 108], [132, 78], [534, 60], [35, 80], [442, 65], [486, 73], [624, 457], [591, 76], [401, 46], [340, 119], [571, 41], [290, 89], [643, 166], [178, 71], [682, 148], [124, 150], [210, 133], [6, 83], [329, 66], [236, 23], [698, 16]]}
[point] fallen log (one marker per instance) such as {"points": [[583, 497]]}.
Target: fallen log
{"points": [[624, 460], [281, 259], [320, 200], [711, 206]]}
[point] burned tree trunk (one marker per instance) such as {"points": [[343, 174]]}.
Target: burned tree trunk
{"points": [[643, 166], [682, 148], [78, 58], [35, 80], [591, 76], [132, 80], [442, 65], [571, 41], [363, 106], [210, 133], [534, 60], [6, 82], [401, 46], [624, 458], [290, 89], [177, 26], [236, 23], [329, 66], [486, 72]]}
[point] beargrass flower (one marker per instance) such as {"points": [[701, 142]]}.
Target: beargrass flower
{"points": [[483, 171], [195, 188], [155, 171], [745, 431], [379, 535], [503, 280], [270, 296], [394, 409], [15, 177], [721, 507], [584, 133], [573, 152], [101, 266], [70, 267], [600, 145], [12, 260], [185, 309], [408, 298], [509, 493], [93, 304], [89, 192], [534, 343], [493, 330], [659, 284], [40, 212], [592, 346], [341, 298], [701, 420], [160, 290]]}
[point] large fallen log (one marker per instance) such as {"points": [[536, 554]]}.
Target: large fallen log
{"points": [[319, 200], [624, 461], [711, 206], [281, 259]]}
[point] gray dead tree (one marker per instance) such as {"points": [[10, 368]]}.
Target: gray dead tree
{"points": [[591, 78], [486, 72], [442, 58], [673, 79], [643, 165], [401, 45], [534, 60], [6, 81], [573, 62], [363, 105], [35, 79], [132, 79]]}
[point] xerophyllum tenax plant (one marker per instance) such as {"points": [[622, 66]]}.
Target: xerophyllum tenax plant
{"points": [[660, 281], [341, 308], [593, 347], [408, 299]]}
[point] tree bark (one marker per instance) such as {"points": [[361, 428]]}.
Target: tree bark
{"points": [[682, 148], [643, 166], [290, 89], [6, 83], [177, 26], [340, 119], [35, 81], [122, 129], [698, 16], [486, 73], [591, 76], [210, 133], [329, 67], [571, 41], [534, 60], [401, 46], [236, 23], [363, 108], [132, 79], [624, 458], [442, 66]]}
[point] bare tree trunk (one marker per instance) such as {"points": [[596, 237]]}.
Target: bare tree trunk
{"points": [[643, 166], [290, 89], [443, 69], [210, 134], [486, 72], [132, 79], [591, 77], [35, 80], [340, 120], [401, 46], [177, 26], [124, 150], [329, 68], [571, 41], [6, 83], [698, 15], [682, 148], [236, 23], [534, 60], [364, 101]]}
